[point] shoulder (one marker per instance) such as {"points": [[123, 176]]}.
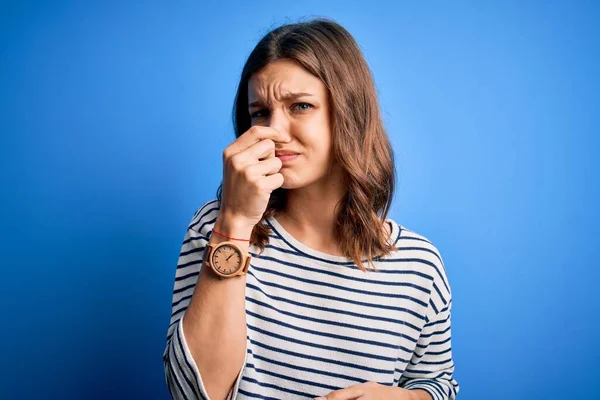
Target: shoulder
{"points": [[205, 216], [424, 256]]}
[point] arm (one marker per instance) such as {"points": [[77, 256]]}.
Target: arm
{"points": [[419, 394], [206, 341], [431, 368]]}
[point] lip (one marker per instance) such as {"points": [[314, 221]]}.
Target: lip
{"points": [[285, 153], [287, 157]]}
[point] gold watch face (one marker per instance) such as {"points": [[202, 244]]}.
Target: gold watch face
{"points": [[227, 259]]}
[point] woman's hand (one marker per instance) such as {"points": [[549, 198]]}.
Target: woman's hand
{"points": [[375, 391], [250, 174]]}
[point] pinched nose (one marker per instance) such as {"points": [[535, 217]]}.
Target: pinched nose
{"points": [[278, 120]]}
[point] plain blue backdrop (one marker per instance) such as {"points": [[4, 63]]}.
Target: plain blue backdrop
{"points": [[113, 118]]}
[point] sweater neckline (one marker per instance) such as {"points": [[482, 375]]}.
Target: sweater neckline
{"points": [[300, 247]]}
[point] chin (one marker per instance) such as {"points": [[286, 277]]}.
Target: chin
{"points": [[290, 183]]}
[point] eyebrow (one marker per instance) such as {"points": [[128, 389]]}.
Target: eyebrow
{"points": [[285, 97]]}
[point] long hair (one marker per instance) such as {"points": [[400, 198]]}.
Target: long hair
{"points": [[360, 143]]}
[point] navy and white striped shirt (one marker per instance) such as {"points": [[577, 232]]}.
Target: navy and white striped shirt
{"points": [[316, 323]]}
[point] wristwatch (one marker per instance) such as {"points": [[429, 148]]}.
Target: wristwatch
{"points": [[227, 259]]}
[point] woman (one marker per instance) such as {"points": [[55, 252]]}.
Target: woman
{"points": [[293, 283]]}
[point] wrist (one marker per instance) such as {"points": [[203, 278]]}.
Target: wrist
{"points": [[232, 227]]}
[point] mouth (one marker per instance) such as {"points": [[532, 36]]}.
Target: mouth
{"points": [[286, 157]]}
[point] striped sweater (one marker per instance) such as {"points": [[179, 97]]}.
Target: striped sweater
{"points": [[316, 323]]}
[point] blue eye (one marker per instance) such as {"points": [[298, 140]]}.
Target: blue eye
{"points": [[298, 106], [304, 104]]}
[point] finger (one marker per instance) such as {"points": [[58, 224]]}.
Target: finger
{"points": [[266, 167], [271, 182], [252, 155], [350, 393], [264, 149], [256, 134]]}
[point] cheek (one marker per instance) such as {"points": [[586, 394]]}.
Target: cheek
{"points": [[322, 151], [317, 142]]}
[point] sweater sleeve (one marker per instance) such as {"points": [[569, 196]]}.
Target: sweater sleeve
{"points": [[181, 372], [431, 367]]}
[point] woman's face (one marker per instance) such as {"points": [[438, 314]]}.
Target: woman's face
{"points": [[285, 96]]}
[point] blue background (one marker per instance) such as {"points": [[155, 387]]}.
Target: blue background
{"points": [[113, 118]]}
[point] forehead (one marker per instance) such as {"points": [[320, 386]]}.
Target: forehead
{"points": [[281, 77]]}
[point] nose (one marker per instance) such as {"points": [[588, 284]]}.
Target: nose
{"points": [[278, 120]]}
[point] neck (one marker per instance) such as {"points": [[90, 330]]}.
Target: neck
{"points": [[310, 212], [309, 216]]}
